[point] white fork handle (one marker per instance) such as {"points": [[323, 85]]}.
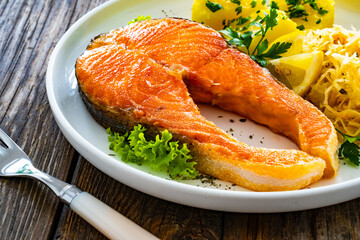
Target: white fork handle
{"points": [[105, 219]]}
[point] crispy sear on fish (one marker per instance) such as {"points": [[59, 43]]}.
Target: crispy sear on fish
{"points": [[145, 73]]}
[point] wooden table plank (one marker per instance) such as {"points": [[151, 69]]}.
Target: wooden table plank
{"points": [[28, 210], [162, 218], [174, 221], [333, 222], [30, 30]]}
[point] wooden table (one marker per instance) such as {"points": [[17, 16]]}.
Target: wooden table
{"points": [[30, 30]]}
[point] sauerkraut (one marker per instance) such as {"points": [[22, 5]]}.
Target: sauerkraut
{"points": [[337, 91]]}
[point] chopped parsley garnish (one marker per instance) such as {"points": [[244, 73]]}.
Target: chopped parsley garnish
{"points": [[236, 2], [261, 51], [296, 8], [214, 7], [253, 4], [274, 4], [318, 21], [342, 91], [349, 149], [238, 10], [297, 11], [242, 20], [301, 27], [139, 18], [161, 154], [314, 6]]}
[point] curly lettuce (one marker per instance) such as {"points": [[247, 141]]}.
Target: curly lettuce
{"points": [[161, 154], [139, 18]]}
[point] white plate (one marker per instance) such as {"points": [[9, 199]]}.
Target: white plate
{"points": [[90, 139]]}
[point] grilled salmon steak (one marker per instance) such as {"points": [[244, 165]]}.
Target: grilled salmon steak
{"points": [[146, 72]]}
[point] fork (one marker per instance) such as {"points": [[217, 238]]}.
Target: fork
{"points": [[15, 163]]}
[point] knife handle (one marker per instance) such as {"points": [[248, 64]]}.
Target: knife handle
{"points": [[105, 219]]}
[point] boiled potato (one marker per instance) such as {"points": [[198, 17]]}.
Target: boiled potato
{"points": [[296, 39], [283, 27]]}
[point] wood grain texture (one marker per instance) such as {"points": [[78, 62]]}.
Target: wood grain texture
{"points": [[30, 30], [174, 221], [28, 210], [162, 218]]}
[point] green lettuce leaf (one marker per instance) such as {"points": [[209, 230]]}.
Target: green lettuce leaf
{"points": [[139, 18], [161, 154]]}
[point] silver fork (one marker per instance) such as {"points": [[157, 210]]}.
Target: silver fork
{"points": [[15, 163]]}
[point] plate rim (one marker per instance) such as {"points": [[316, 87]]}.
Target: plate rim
{"points": [[289, 198]]}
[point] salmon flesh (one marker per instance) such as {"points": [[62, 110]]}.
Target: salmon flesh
{"points": [[154, 72]]}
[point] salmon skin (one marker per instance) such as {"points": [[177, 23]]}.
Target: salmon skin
{"points": [[145, 73]]}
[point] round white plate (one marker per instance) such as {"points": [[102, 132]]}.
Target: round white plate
{"points": [[90, 139]]}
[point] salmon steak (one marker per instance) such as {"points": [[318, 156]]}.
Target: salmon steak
{"points": [[154, 72]]}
